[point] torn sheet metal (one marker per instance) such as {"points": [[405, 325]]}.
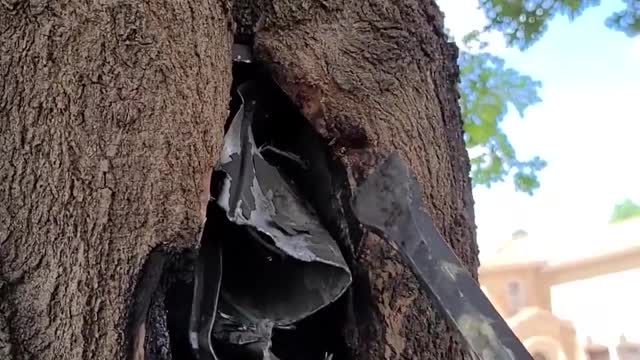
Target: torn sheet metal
{"points": [[269, 263], [255, 194], [390, 204]]}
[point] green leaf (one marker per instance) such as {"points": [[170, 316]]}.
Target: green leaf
{"points": [[624, 211]]}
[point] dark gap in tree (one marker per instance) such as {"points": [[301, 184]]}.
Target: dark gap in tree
{"points": [[261, 279], [162, 305], [256, 273], [177, 301]]}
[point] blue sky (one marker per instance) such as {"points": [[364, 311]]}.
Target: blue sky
{"points": [[587, 127]]}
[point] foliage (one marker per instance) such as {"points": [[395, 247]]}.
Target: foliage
{"points": [[627, 20], [488, 88], [624, 211], [525, 21]]}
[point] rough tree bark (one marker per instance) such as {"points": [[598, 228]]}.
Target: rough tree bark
{"points": [[112, 113], [375, 76]]}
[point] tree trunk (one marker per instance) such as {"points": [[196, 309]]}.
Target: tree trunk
{"points": [[376, 76], [112, 115]]}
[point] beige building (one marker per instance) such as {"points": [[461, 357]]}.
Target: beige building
{"points": [[569, 302]]}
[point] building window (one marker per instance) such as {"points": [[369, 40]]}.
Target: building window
{"points": [[597, 353], [516, 297]]}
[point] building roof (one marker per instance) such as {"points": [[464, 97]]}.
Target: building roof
{"points": [[559, 248], [528, 313]]}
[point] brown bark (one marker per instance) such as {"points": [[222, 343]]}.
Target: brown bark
{"points": [[111, 113], [111, 116], [376, 76]]}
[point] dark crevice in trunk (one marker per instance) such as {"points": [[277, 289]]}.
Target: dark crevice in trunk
{"points": [[177, 302], [322, 181], [163, 303]]}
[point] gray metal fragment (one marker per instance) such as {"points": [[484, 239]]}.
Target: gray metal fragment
{"points": [[280, 264], [255, 194], [389, 204]]}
